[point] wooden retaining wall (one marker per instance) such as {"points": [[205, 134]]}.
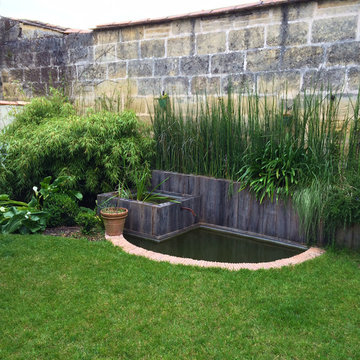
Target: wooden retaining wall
{"points": [[222, 204]]}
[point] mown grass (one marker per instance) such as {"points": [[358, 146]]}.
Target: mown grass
{"points": [[63, 298]]}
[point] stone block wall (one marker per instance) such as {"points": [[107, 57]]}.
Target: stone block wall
{"points": [[292, 45]]}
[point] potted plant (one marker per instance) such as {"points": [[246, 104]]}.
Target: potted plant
{"points": [[114, 219]]}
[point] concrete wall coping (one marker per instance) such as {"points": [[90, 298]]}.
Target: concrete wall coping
{"points": [[13, 103]]}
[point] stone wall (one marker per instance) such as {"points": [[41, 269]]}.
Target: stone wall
{"points": [[33, 59], [269, 48]]}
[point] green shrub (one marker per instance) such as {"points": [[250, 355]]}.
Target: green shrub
{"points": [[17, 216], [42, 108], [32, 217], [62, 210], [342, 206], [98, 149], [88, 220]]}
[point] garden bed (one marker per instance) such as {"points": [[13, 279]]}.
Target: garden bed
{"points": [[156, 221]]}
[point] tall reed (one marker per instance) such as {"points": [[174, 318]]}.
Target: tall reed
{"points": [[219, 136], [273, 145]]}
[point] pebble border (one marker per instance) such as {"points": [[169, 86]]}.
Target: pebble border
{"points": [[129, 248]]}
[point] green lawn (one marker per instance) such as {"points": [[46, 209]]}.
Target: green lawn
{"points": [[73, 299]]}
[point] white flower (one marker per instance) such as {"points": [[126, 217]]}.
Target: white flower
{"points": [[35, 190], [2, 209]]}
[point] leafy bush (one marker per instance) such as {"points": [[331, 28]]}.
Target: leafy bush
{"points": [[62, 210], [88, 220], [98, 149], [342, 206], [51, 201], [274, 170], [42, 108], [17, 216]]}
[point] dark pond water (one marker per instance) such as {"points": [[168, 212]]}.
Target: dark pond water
{"points": [[210, 245]]}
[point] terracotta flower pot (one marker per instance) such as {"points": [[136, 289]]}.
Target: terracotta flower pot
{"points": [[114, 220]]}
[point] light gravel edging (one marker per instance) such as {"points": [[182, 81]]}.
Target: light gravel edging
{"points": [[129, 248]]}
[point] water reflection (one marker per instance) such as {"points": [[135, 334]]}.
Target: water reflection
{"points": [[204, 244]]}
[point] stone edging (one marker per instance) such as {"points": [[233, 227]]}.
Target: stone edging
{"points": [[135, 250]]}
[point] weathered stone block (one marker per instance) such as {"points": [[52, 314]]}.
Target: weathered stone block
{"points": [[251, 18], [12, 91], [180, 27], [121, 88], [291, 34], [11, 30], [247, 38], [140, 105], [205, 85], [42, 59], [5, 76], [295, 11], [117, 70], [7, 56], [262, 60], [132, 33], [227, 63], [149, 86], [324, 79], [216, 23], [157, 31], [210, 43], [24, 59], [105, 53], [77, 40], [47, 44], [140, 68], [91, 72], [308, 56], [58, 58], [238, 82], [354, 79], [152, 48], [284, 83], [80, 54], [39, 89], [166, 67], [344, 54], [336, 7], [181, 46], [334, 29], [32, 75], [67, 73], [49, 75], [176, 85], [106, 36], [194, 65], [15, 75], [128, 50]]}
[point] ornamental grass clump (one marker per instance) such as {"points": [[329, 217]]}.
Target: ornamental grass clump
{"points": [[276, 147]]}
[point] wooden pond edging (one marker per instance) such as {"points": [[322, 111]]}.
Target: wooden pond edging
{"points": [[221, 204]]}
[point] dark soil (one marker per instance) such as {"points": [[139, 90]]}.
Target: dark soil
{"points": [[75, 232]]}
